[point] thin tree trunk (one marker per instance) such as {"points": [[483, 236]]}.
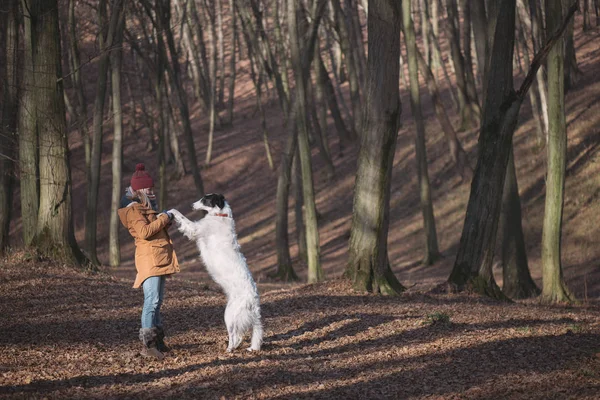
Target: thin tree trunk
{"points": [[467, 109], [457, 153], [116, 60], [221, 53], [232, 63], [479, 19], [425, 27], [571, 70], [106, 43], [517, 281], [298, 207], [437, 52], [329, 94], [368, 265], [285, 270], [54, 236], [315, 271], [212, 76], [350, 65], [81, 107], [174, 71], [466, 39], [431, 250], [356, 40], [8, 127], [554, 289], [533, 99], [28, 135]]}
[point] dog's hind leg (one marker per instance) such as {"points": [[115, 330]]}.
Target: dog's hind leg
{"points": [[257, 336], [235, 338]]}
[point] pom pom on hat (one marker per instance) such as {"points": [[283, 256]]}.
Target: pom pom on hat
{"points": [[141, 179]]}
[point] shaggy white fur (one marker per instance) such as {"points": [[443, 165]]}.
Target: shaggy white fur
{"points": [[217, 242]]}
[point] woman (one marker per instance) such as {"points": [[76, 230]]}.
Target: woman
{"points": [[155, 258]]}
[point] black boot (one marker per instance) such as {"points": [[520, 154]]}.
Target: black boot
{"points": [[149, 338], [160, 340]]}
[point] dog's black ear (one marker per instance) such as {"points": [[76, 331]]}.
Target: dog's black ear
{"points": [[219, 200]]}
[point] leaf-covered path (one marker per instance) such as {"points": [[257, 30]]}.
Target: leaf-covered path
{"points": [[67, 334]]}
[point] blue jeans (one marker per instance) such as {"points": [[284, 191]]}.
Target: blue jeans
{"points": [[154, 292]]}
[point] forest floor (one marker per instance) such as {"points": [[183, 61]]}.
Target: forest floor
{"points": [[68, 334]]}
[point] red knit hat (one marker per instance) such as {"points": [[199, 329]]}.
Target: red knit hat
{"points": [[141, 179]]}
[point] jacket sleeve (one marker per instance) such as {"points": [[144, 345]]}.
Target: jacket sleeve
{"points": [[145, 230]]}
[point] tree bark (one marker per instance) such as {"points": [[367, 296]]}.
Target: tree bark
{"points": [[479, 19], [28, 135], [116, 60], [54, 237], [368, 265], [8, 127], [301, 68], [232, 63], [469, 116], [517, 281], [431, 250], [327, 88], [353, 77], [473, 265], [174, 72], [554, 289], [81, 105], [212, 77], [298, 207], [106, 43], [457, 153]]}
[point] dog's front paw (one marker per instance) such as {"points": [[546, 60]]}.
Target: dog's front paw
{"points": [[176, 214]]}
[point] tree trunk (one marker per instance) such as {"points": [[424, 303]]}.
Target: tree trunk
{"points": [[232, 63], [285, 270], [324, 82], [212, 77], [116, 60], [517, 282], [466, 39], [587, 22], [54, 237], [431, 251], [554, 289], [298, 207], [533, 98], [479, 18], [353, 78], [457, 153], [315, 271], [91, 226], [473, 265], [174, 71], [571, 70], [466, 108], [8, 129], [28, 135], [81, 105], [221, 54], [368, 265]]}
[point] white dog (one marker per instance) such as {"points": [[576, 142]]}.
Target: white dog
{"points": [[217, 242]]}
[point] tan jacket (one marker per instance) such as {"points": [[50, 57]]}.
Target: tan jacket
{"points": [[154, 254]]}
